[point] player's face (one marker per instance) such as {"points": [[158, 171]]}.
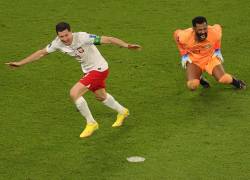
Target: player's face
{"points": [[66, 37], [201, 31]]}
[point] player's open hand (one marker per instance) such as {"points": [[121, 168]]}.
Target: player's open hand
{"points": [[134, 47], [14, 64]]}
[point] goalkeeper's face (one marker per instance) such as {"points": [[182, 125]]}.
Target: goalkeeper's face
{"points": [[201, 31]]}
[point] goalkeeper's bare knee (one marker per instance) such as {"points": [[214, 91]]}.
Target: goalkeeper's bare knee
{"points": [[226, 79], [193, 84]]}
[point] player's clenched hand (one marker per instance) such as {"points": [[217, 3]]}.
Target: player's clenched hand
{"points": [[14, 64], [134, 47]]}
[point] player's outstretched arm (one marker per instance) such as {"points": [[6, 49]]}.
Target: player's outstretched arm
{"points": [[119, 42], [33, 57]]}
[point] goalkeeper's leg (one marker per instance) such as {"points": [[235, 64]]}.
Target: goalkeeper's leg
{"points": [[193, 74], [222, 77]]}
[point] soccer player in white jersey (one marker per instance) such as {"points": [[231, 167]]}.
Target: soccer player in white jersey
{"points": [[81, 46]]}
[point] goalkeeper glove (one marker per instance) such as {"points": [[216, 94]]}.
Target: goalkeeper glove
{"points": [[184, 59], [217, 53]]}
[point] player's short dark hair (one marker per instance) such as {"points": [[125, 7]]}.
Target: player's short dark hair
{"points": [[62, 26], [199, 20]]}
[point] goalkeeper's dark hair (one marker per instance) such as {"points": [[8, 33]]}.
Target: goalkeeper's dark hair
{"points": [[199, 20], [62, 26]]}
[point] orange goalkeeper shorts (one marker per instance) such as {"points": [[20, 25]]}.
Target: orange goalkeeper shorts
{"points": [[208, 65]]}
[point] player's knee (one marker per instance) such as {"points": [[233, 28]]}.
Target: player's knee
{"points": [[73, 94], [226, 79], [193, 84], [100, 97]]}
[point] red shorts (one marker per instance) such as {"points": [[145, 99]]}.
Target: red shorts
{"points": [[94, 80]]}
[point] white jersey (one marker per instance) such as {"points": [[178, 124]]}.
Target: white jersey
{"points": [[83, 50]]}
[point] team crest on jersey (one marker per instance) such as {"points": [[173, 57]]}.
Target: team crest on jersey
{"points": [[80, 50]]}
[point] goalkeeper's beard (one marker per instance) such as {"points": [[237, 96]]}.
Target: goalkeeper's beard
{"points": [[201, 36]]}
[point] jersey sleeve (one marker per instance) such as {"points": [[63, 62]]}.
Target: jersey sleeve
{"points": [[178, 37], [91, 39], [218, 32], [52, 47]]}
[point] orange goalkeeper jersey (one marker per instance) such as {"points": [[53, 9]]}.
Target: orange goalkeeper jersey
{"points": [[199, 52]]}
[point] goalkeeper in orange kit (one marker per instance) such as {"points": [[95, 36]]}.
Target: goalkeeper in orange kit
{"points": [[199, 47]]}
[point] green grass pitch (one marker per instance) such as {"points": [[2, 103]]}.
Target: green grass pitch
{"points": [[182, 134]]}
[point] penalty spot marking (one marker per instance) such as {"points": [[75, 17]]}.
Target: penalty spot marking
{"points": [[135, 159]]}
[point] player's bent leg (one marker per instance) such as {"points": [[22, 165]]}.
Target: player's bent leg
{"points": [[222, 77], [76, 93], [110, 102], [228, 79], [218, 72], [193, 74]]}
